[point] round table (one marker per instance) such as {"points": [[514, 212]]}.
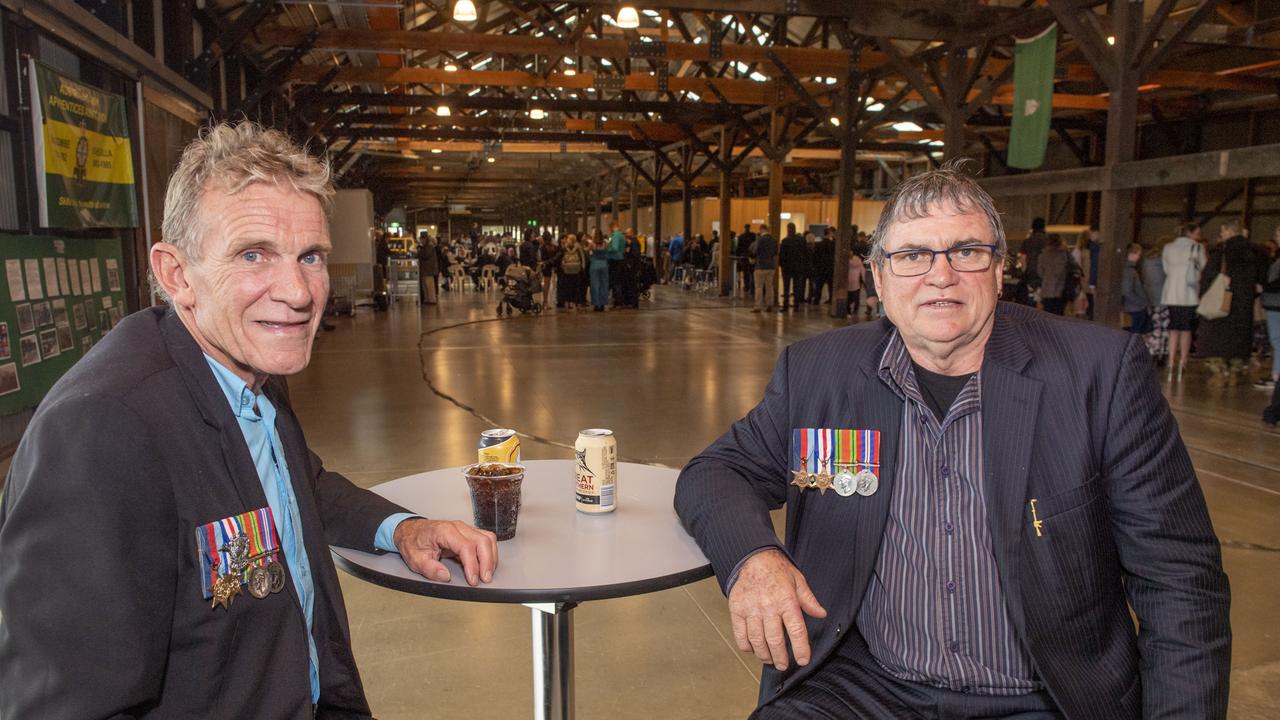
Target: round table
{"points": [[558, 558]]}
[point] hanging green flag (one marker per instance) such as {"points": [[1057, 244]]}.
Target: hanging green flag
{"points": [[1033, 60]]}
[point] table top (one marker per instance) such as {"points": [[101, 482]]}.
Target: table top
{"points": [[558, 553]]}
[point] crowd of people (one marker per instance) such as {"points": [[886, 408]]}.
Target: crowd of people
{"points": [[1168, 295]]}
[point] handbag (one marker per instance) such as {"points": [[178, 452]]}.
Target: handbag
{"points": [[1216, 301]]}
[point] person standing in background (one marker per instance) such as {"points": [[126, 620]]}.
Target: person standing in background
{"points": [[765, 253], [1031, 247], [599, 271], [856, 270], [1133, 295], [428, 268], [1052, 267], [1227, 342], [824, 258], [746, 264], [791, 259], [1271, 306], [1153, 281], [1183, 261], [617, 247]]}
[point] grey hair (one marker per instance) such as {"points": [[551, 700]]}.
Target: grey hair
{"points": [[918, 196], [230, 157]]}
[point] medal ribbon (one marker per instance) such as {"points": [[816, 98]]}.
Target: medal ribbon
{"points": [[868, 449], [257, 525]]}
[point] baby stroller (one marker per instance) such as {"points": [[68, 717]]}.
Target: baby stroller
{"points": [[518, 294]]}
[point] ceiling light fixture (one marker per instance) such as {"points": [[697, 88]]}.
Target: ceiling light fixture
{"points": [[570, 72], [464, 11], [451, 68], [492, 159], [628, 18], [536, 114], [835, 121], [436, 151], [443, 110]]}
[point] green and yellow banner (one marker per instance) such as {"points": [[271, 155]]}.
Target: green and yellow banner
{"points": [[1033, 61], [83, 156]]}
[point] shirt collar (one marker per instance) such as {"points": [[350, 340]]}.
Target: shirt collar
{"points": [[241, 398], [896, 371]]}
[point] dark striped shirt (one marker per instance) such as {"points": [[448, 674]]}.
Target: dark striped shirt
{"points": [[934, 611]]}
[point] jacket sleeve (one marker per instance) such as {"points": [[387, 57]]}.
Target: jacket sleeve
{"points": [[88, 566], [724, 495], [1168, 550]]}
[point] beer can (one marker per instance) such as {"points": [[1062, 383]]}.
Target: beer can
{"points": [[597, 471], [500, 445]]}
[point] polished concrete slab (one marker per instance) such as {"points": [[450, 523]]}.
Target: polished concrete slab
{"points": [[389, 394]]}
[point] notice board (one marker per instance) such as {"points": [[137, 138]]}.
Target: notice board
{"points": [[60, 296]]}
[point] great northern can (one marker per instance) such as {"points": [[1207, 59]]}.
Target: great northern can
{"points": [[500, 445], [597, 472]]}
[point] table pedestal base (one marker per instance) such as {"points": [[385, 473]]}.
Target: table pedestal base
{"points": [[552, 660]]}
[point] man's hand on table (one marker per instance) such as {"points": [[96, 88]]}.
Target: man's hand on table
{"points": [[768, 603], [422, 543]]}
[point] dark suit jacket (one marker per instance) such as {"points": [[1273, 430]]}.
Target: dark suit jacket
{"points": [[101, 611], [1073, 417]]}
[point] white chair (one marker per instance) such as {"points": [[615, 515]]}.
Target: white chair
{"points": [[488, 278], [458, 280]]}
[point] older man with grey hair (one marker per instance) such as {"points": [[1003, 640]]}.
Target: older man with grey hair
{"points": [[976, 494], [164, 531]]}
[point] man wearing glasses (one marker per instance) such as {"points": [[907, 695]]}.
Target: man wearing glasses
{"points": [[977, 493]]}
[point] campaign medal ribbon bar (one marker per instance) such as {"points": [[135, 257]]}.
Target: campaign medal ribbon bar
{"points": [[241, 549]]}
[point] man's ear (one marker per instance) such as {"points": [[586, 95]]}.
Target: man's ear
{"points": [[169, 265]]}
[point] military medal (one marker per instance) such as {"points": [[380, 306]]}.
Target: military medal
{"points": [[843, 483], [865, 452], [225, 588], [824, 477], [259, 583], [867, 483], [275, 573], [236, 550]]}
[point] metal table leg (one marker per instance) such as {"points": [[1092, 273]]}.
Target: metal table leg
{"points": [[552, 660]]}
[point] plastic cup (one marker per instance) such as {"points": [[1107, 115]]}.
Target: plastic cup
{"points": [[495, 499]]}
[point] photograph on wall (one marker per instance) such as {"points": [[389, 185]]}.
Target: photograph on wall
{"points": [[64, 281], [9, 379], [65, 341], [107, 302], [96, 275], [43, 313], [77, 311], [60, 312], [26, 323], [114, 313], [4, 341], [74, 276], [34, 288], [86, 282], [30, 348], [86, 344], [104, 322], [91, 313], [50, 277], [13, 272], [49, 343], [113, 275]]}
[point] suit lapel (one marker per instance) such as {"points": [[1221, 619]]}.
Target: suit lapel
{"points": [[214, 409], [1010, 408]]}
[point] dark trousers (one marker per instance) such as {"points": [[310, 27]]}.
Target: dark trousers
{"points": [[1054, 305], [1271, 415], [1140, 322], [851, 684], [853, 301], [614, 267], [816, 284], [793, 286]]}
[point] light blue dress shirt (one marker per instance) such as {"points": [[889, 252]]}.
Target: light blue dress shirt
{"points": [[257, 418]]}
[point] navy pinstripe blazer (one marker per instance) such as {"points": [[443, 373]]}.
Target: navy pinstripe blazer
{"points": [[1073, 417]]}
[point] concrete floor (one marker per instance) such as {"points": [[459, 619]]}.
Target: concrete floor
{"points": [[390, 394]]}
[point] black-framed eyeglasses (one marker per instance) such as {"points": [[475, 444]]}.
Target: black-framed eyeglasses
{"points": [[963, 258]]}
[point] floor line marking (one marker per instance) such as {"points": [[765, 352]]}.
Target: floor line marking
{"points": [[1237, 481], [732, 646]]}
